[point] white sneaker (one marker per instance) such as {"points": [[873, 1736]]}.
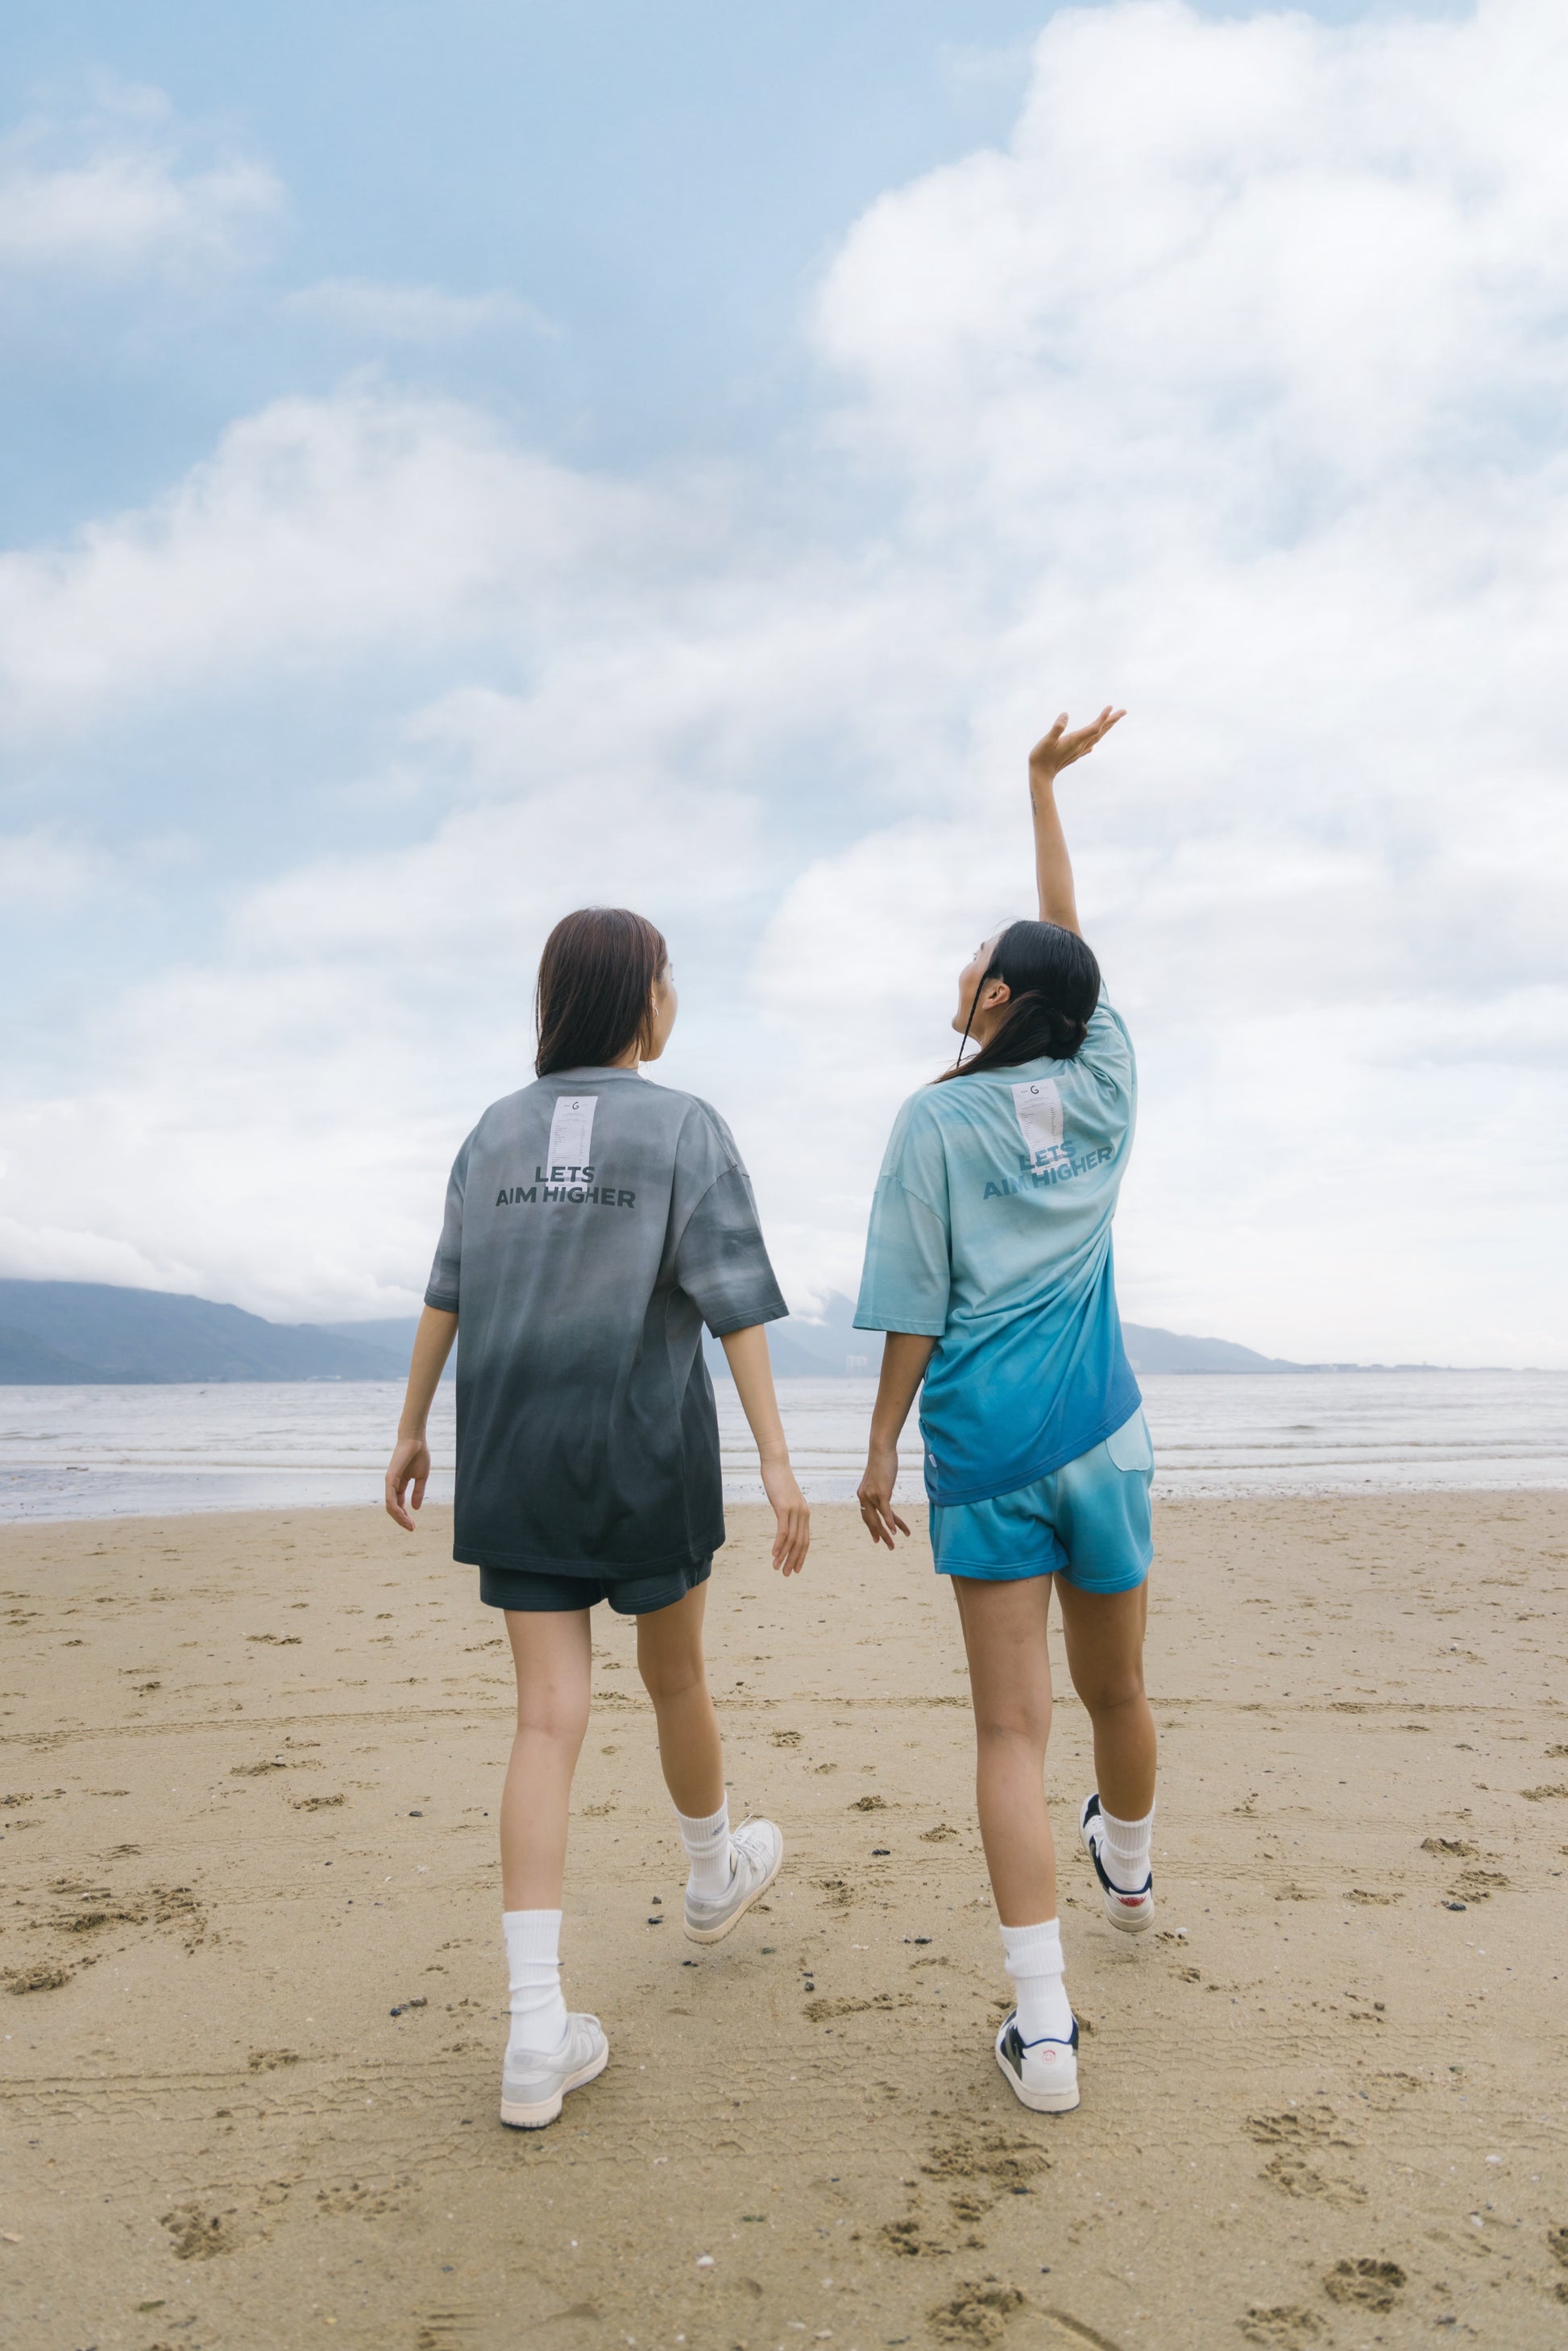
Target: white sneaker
{"points": [[1133, 1914], [532, 2088], [1042, 2074], [756, 1856]]}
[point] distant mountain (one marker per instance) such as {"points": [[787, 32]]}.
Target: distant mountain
{"points": [[69, 1333], [27, 1362], [831, 1348], [65, 1334], [1150, 1350]]}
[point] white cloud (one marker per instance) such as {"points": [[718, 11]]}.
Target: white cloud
{"points": [[319, 528], [373, 311], [1237, 383], [118, 191], [44, 871], [1232, 387]]}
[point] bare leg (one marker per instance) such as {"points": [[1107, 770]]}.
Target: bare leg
{"points": [[553, 1655], [1010, 1679], [1104, 1634], [670, 1660]]}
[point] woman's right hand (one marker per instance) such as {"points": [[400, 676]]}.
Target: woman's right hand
{"points": [[1057, 748], [875, 1496]]}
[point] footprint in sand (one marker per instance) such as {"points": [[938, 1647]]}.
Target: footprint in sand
{"points": [[977, 2313], [1299, 2126], [1365, 2284], [1479, 1885], [1287, 2326], [1010, 2161], [39, 1979], [199, 2236], [1296, 2177], [823, 2012]]}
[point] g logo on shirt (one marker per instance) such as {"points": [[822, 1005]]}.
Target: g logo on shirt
{"points": [[1036, 1105]]}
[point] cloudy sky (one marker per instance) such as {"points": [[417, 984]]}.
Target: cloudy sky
{"points": [[463, 462]]}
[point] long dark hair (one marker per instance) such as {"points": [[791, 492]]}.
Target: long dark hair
{"points": [[595, 991], [1054, 980]]}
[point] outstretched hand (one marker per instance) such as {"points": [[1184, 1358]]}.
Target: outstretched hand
{"points": [[1059, 748]]}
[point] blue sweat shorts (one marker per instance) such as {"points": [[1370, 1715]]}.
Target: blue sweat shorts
{"points": [[1087, 1522]]}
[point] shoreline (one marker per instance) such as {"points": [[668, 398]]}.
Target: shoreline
{"points": [[251, 1764], [118, 1456], [910, 1496]]}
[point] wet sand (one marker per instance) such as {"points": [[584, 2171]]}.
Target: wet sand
{"points": [[253, 2002]]}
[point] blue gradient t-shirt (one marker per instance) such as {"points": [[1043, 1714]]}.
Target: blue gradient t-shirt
{"points": [[990, 1232]]}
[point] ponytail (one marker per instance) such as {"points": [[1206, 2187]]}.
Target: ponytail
{"points": [[1053, 981]]}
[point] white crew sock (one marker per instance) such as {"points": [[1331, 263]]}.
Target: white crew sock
{"points": [[707, 1850], [533, 1962], [1126, 1852], [1034, 1963]]}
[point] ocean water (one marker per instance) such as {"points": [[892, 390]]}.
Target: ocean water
{"points": [[112, 1452]]}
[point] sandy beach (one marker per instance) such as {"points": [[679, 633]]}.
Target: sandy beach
{"points": [[254, 2008]]}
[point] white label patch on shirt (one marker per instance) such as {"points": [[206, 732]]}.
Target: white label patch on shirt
{"points": [[1037, 1105], [572, 1136]]}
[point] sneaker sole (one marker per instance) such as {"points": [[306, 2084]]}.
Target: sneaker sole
{"points": [[1038, 2102], [717, 1934], [518, 2117]]}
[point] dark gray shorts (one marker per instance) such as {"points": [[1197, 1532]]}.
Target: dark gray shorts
{"points": [[629, 1595]]}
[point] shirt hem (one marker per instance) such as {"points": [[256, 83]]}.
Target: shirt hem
{"points": [[777, 1312], [538, 1562], [1054, 1459], [906, 1328], [443, 1304]]}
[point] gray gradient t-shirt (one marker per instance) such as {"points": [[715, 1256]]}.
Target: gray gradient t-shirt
{"points": [[594, 1223]]}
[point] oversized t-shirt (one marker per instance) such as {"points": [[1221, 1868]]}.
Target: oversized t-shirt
{"points": [[594, 1223], [990, 1232]]}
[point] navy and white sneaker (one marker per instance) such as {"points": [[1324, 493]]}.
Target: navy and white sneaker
{"points": [[1042, 2074], [1132, 1914], [533, 2087]]}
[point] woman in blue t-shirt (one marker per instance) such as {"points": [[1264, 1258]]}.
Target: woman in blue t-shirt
{"points": [[988, 1267]]}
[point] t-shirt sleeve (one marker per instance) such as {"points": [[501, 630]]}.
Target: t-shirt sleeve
{"points": [[1107, 1050], [721, 1259], [441, 1290], [908, 1271]]}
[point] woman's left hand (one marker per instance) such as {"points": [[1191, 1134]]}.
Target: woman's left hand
{"points": [[793, 1539], [410, 1464]]}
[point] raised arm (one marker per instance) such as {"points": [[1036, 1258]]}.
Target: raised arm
{"points": [[1052, 865]]}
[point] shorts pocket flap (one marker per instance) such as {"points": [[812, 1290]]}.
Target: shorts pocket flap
{"points": [[1130, 1446]]}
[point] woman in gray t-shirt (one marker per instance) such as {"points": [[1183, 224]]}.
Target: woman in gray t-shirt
{"points": [[594, 1223]]}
